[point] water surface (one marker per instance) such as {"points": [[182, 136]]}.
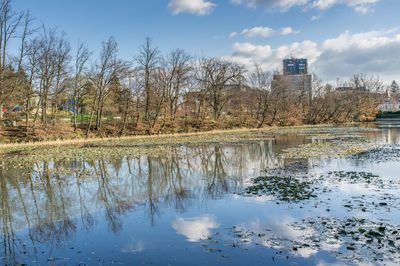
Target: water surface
{"points": [[191, 207]]}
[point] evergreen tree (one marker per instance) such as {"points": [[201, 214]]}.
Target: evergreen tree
{"points": [[394, 88]]}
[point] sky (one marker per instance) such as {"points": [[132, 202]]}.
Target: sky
{"points": [[338, 37]]}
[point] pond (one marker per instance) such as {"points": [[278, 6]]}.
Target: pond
{"points": [[309, 196]]}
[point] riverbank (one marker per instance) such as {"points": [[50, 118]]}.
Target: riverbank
{"points": [[341, 142], [157, 138]]}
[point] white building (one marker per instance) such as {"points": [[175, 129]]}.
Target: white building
{"points": [[391, 104]]}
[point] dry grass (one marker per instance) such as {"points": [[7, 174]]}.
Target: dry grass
{"points": [[67, 142], [84, 141]]}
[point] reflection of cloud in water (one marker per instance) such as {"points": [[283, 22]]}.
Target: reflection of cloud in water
{"points": [[260, 199], [281, 235], [133, 246], [195, 229], [324, 263], [343, 238], [353, 189]]}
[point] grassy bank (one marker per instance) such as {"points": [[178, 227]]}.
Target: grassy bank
{"points": [[26, 155], [177, 138]]}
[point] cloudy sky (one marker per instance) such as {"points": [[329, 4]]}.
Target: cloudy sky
{"points": [[339, 37]]}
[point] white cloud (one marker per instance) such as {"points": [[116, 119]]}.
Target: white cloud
{"points": [[369, 52], [288, 30], [314, 18], [324, 4], [271, 59], [263, 32], [363, 9], [257, 31], [361, 6], [195, 229], [198, 7], [282, 5]]}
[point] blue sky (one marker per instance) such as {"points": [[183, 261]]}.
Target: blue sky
{"points": [[340, 37]]}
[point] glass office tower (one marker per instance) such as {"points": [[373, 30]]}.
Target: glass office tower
{"points": [[295, 66]]}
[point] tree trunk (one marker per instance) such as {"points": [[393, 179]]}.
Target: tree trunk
{"points": [[75, 107], [125, 118], [91, 117], [27, 114]]}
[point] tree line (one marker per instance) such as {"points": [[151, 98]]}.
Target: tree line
{"points": [[51, 83]]}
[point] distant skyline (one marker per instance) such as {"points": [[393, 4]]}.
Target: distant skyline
{"points": [[339, 37]]}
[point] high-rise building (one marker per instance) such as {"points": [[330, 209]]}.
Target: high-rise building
{"points": [[295, 74], [295, 66]]}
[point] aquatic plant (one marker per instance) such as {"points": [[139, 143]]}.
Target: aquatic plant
{"points": [[285, 189]]}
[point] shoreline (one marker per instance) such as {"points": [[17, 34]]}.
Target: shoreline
{"points": [[73, 142]]}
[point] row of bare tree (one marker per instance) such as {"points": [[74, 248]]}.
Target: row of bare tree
{"points": [[152, 92]]}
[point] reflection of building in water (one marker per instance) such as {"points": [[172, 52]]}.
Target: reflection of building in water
{"points": [[388, 134], [392, 135]]}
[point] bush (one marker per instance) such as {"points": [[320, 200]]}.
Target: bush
{"points": [[388, 115]]}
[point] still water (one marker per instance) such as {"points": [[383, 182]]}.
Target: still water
{"points": [[191, 208]]}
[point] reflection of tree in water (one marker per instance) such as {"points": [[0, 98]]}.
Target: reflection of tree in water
{"points": [[109, 198], [171, 175], [52, 200], [212, 162], [44, 212], [56, 218], [9, 238]]}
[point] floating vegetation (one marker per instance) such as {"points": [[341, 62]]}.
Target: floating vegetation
{"points": [[322, 130], [382, 203], [329, 136], [380, 154], [20, 156], [353, 177], [352, 239], [293, 184], [285, 189], [331, 149], [296, 168], [157, 146], [29, 156]]}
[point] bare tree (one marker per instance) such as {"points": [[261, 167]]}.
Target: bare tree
{"points": [[148, 61], [215, 75], [9, 23], [62, 60], [31, 65], [126, 97], [137, 93], [261, 81], [103, 76], [53, 59], [27, 31], [178, 69], [81, 57]]}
